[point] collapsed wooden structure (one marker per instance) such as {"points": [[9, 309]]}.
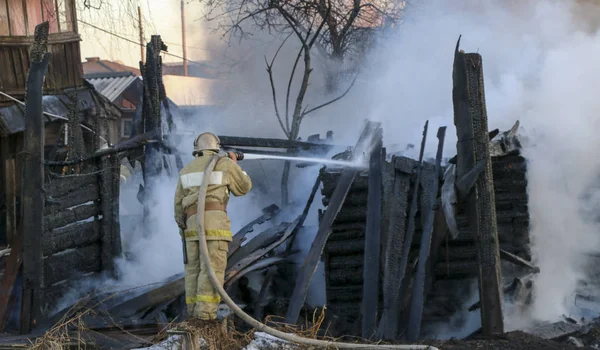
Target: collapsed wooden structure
{"points": [[393, 268]]}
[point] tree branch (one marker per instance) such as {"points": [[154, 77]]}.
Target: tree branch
{"points": [[289, 87], [334, 100], [286, 128]]}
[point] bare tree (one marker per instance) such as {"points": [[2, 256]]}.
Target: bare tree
{"points": [[348, 25], [332, 27]]}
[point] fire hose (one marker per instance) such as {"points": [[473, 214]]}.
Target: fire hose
{"points": [[247, 318]]}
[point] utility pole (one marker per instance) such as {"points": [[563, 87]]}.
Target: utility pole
{"points": [[185, 66], [141, 34]]}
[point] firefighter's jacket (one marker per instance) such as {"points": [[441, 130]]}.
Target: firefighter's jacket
{"points": [[226, 177]]}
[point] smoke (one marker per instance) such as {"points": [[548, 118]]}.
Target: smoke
{"points": [[539, 67]]}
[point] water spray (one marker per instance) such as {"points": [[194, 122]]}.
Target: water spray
{"points": [[204, 256], [359, 163]]}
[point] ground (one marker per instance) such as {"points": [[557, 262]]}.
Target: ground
{"points": [[510, 341]]}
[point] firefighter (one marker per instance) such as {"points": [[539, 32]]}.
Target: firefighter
{"points": [[201, 297]]}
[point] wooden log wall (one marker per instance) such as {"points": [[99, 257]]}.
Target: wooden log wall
{"points": [[64, 71], [453, 262], [81, 219]]}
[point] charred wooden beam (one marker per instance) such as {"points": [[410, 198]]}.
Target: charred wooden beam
{"points": [[63, 266], [517, 260], [390, 325], [372, 239], [418, 294], [314, 255], [403, 169], [236, 269], [263, 294], [261, 240], [11, 271], [70, 237], [167, 291], [470, 118], [240, 236], [235, 141], [71, 216], [109, 204], [32, 195]]}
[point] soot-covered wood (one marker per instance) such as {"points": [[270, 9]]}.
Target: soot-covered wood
{"points": [[33, 175], [70, 237], [470, 118], [65, 265]]}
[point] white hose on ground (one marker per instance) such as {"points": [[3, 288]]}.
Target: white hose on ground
{"points": [[247, 318]]}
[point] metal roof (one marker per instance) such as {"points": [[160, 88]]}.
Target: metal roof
{"points": [[113, 86]]}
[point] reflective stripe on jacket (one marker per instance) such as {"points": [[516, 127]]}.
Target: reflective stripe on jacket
{"points": [[226, 177]]}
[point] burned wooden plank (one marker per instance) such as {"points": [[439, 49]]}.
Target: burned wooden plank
{"points": [[395, 240], [65, 185], [260, 264], [311, 198], [107, 202], [63, 266], [116, 247], [240, 236], [263, 239], [32, 196], [418, 294], [510, 257], [372, 239], [81, 195], [314, 255], [74, 236], [71, 216], [168, 291], [470, 118], [389, 325], [257, 254]]}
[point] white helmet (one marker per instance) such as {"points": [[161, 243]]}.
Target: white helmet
{"points": [[207, 141]]}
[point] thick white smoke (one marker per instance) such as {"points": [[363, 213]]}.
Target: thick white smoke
{"points": [[539, 66]]}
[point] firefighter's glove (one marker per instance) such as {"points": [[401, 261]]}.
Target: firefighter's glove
{"points": [[232, 155]]}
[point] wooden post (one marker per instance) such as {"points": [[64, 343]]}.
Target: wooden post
{"points": [[32, 194], [370, 299], [183, 41], [141, 34], [403, 170], [418, 294], [470, 118], [4, 156]]}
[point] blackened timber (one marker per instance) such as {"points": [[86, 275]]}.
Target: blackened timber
{"points": [[470, 118], [510, 257], [239, 237], [391, 323], [81, 195], [257, 254], [316, 250], [32, 195], [71, 216], [418, 294], [63, 266], [261, 240], [74, 236], [234, 141], [403, 168], [258, 265], [372, 239], [116, 250], [168, 291], [65, 185], [263, 294]]}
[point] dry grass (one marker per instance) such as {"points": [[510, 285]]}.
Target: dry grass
{"points": [[214, 333]]}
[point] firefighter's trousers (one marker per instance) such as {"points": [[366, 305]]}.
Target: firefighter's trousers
{"points": [[201, 297]]}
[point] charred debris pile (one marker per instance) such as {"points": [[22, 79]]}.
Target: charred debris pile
{"points": [[403, 243]]}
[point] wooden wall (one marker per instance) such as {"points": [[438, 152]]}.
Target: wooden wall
{"points": [[65, 69], [81, 225]]}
